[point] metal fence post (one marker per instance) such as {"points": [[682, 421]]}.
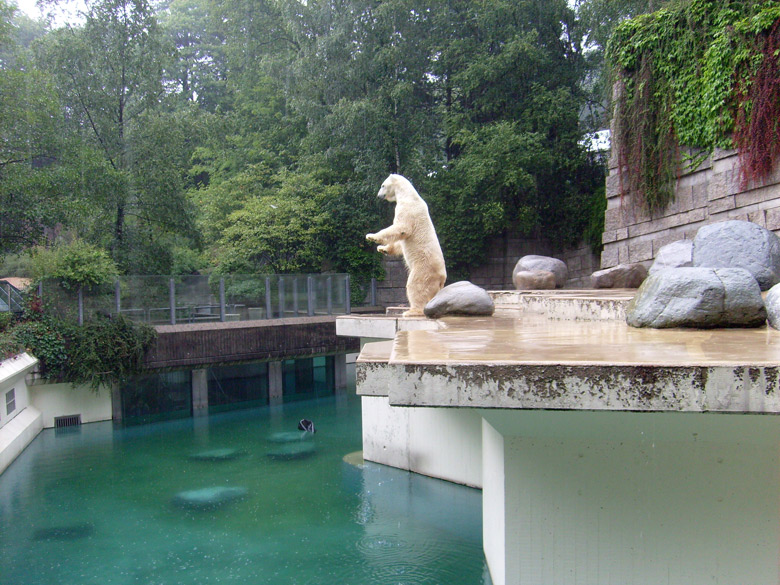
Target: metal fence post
{"points": [[329, 283], [40, 291], [347, 304], [8, 288], [373, 292], [295, 295], [81, 305], [310, 295], [281, 297], [268, 313], [117, 297], [172, 300], [222, 299]]}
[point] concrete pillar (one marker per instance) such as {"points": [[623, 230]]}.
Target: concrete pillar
{"points": [[340, 373], [630, 498], [116, 403], [275, 388], [200, 392]]}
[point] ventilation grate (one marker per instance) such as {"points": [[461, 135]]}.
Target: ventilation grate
{"points": [[71, 420]]}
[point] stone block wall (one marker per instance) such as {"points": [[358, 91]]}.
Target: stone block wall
{"points": [[496, 271], [708, 194]]}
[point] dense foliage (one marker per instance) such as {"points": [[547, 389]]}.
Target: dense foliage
{"points": [[701, 74], [99, 353], [253, 134]]}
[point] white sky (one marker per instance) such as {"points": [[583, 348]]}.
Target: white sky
{"points": [[66, 11]]}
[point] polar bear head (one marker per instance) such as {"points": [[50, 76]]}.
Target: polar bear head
{"points": [[392, 185]]}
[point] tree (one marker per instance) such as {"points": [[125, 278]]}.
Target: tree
{"points": [[110, 75]]}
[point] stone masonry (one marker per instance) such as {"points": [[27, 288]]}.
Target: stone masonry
{"points": [[708, 194]]}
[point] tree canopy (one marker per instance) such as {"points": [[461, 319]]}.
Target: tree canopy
{"points": [[255, 133]]}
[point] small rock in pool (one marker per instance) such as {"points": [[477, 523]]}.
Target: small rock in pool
{"points": [[66, 532], [290, 451], [208, 498], [216, 455], [290, 437]]}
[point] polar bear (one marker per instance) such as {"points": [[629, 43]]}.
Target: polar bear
{"points": [[413, 236]]}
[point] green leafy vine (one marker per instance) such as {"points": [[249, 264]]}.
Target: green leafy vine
{"points": [[699, 74]]}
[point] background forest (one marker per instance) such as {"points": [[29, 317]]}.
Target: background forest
{"points": [[251, 136]]}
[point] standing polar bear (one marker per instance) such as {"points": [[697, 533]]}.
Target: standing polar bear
{"points": [[413, 236]]}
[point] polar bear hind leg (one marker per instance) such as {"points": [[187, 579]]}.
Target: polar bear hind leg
{"points": [[421, 288]]}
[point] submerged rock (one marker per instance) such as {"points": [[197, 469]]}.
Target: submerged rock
{"points": [[739, 244], [290, 437], [460, 298], [698, 297], [225, 454], [65, 532], [534, 263], [291, 451], [208, 498]]}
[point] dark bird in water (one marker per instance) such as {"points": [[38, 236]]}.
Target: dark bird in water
{"points": [[306, 425]]}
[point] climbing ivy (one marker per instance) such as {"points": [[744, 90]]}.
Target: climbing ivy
{"points": [[700, 74]]}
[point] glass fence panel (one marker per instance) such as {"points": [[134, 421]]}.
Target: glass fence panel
{"points": [[162, 300]]}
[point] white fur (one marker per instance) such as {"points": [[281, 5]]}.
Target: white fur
{"points": [[412, 235]]}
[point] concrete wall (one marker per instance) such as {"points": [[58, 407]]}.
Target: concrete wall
{"points": [[54, 400], [437, 442], [630, 498], [709, 194]]}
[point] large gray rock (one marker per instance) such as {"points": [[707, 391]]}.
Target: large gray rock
{"points": [[533, 280], [460, 298], [772, 302], [698, 297], [678, 254], [620, 276], [739, 244], [533, 263]]}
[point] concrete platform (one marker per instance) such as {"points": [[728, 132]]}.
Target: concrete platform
{"points": [[607, 454], [519, 360]]}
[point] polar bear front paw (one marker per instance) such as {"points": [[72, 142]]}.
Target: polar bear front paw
{"points": [[371, 238], [383, 249]]}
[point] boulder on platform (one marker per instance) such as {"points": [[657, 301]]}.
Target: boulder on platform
{"points": [[534, 280], [534, 263], [620, 276], [739, 244], [678, 254], [460, 298], [772, 302], [698, 297]]}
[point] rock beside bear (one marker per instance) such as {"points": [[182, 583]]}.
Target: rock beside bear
{"points": [[534, 263], [412, 236], [460, 298], [698, 297]]}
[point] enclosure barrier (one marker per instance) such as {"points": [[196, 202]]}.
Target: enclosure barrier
{"points": [[159, 300]]}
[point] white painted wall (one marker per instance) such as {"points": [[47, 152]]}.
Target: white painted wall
{"points": [[20, 426], [438, 442], [55, 400], [627, 498]]}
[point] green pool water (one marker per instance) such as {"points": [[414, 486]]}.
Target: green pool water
{"points": [[96, 506]]}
